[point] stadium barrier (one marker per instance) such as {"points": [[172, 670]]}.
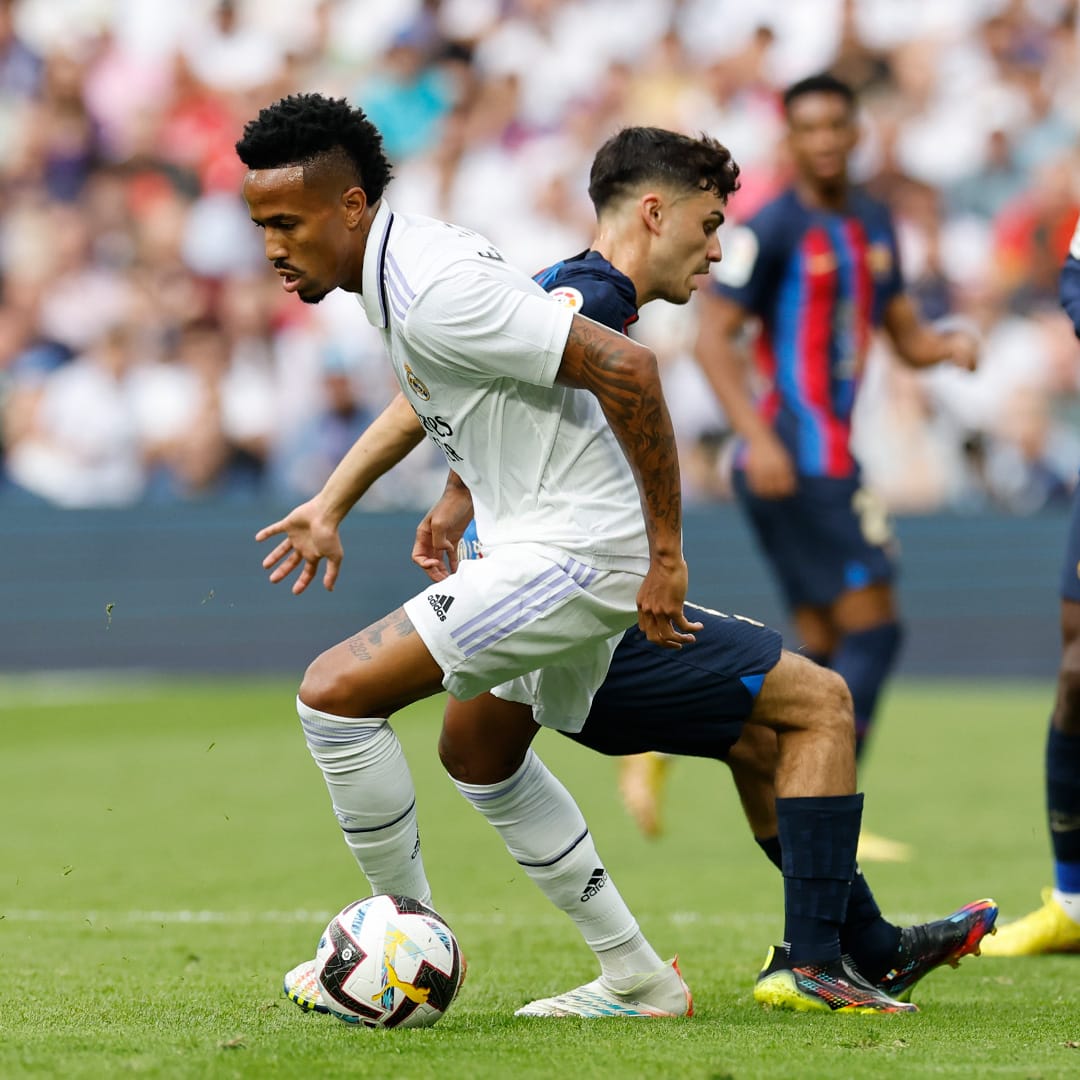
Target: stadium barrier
{"points": [[180, 588]]}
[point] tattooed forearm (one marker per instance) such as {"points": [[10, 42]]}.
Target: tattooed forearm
{"points": [[625, 379], [397, 623]]}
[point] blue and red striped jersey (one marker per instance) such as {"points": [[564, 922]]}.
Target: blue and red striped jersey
{"points": [[819, 281], [588, 283]]}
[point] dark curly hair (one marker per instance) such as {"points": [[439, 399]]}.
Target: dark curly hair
{"points": [[645, 155], [315, 132]]}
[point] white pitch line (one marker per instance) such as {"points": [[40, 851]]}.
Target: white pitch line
{"points": [[302, 917]]}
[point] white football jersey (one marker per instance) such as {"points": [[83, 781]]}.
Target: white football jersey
{"points": [[476, 345]]}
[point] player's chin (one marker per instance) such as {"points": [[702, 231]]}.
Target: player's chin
{"points": [[313, 295]]}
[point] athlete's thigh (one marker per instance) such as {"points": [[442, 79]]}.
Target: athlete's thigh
{"points": [[381, 669], [690, 701]]}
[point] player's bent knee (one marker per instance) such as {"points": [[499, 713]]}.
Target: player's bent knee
{"points": [[475, 762], [326, 688], [799, 694]]}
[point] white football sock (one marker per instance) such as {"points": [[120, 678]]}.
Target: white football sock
{"points": [[546, 833], [373, 797]]}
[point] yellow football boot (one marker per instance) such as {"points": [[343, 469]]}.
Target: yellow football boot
{"points": [[1045, 930], [875, 848], [642, 779]]}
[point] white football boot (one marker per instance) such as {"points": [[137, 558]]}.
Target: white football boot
{"points": [[664, 993], [302, 988]]}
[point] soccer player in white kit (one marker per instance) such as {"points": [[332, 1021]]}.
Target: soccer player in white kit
{"points": [[559, 427]]}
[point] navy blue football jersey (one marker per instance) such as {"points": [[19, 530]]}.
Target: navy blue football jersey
{"points": [[589, 284]]}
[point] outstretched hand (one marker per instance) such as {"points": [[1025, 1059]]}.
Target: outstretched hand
{"points": [[311, 535]]}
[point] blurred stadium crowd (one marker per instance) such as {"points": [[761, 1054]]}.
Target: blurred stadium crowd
{"points": [[146, 353]]}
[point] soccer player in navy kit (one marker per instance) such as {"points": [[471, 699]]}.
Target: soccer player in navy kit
{"points": [[1055, 927], [709, 696], [818, 269]]}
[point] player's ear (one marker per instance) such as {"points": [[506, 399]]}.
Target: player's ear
{"points": [[651, 208], [353, 205]]}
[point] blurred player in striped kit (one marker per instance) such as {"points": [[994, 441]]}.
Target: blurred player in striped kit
{"points": [[818, 270]]}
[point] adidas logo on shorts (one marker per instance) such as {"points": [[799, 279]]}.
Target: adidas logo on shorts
{"points": [[440, 605], [598, 880]]}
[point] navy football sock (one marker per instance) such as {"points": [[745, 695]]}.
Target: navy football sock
{"points": [[1063, 807], [866, 936], [864, 660], [818, 837], [771, 846]]}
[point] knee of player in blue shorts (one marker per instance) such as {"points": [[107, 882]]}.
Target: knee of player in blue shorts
{"points": [[829, 703], [800, 695]]}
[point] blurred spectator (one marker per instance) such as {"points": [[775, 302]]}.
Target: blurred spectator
{"points": [[124, 244], [304, 461], [408, 96], [79, 447]]}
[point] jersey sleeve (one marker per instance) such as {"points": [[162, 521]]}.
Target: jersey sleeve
{"points": [[1070, 281], [487, 326], [747, 273], [593, 297]]}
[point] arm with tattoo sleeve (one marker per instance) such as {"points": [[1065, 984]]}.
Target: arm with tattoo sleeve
{"points": [[625, 379]]}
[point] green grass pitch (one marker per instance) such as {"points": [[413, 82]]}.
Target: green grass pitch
{"points": [[169, 852]]}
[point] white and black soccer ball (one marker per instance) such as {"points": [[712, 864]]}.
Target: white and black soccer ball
{"points": [[389, 961]]}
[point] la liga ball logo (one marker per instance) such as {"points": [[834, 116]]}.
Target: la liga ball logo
{"points": [[568, 297]]}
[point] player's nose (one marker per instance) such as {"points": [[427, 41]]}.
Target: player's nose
{"points": [[274, 248]]}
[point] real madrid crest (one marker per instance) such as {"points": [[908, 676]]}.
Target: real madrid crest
{"points": [[415, 385]]}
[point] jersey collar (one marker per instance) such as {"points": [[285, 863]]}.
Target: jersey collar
{"points": [[373, 297]]}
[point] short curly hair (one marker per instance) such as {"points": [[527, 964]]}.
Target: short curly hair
{"points": [[648, 155], [312, 130]]}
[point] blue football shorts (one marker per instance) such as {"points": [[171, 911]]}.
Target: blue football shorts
{"points": [[828, 538], [692, 700]]}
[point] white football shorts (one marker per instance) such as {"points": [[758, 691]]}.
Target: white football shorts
{"points": [[529, 623]]}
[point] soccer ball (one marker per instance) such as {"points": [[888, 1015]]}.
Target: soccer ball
{"points": [[389, 961]]}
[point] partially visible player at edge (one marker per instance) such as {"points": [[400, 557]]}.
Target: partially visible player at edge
{"points": [[560, 428], [818, 269], [1055, 927]]}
